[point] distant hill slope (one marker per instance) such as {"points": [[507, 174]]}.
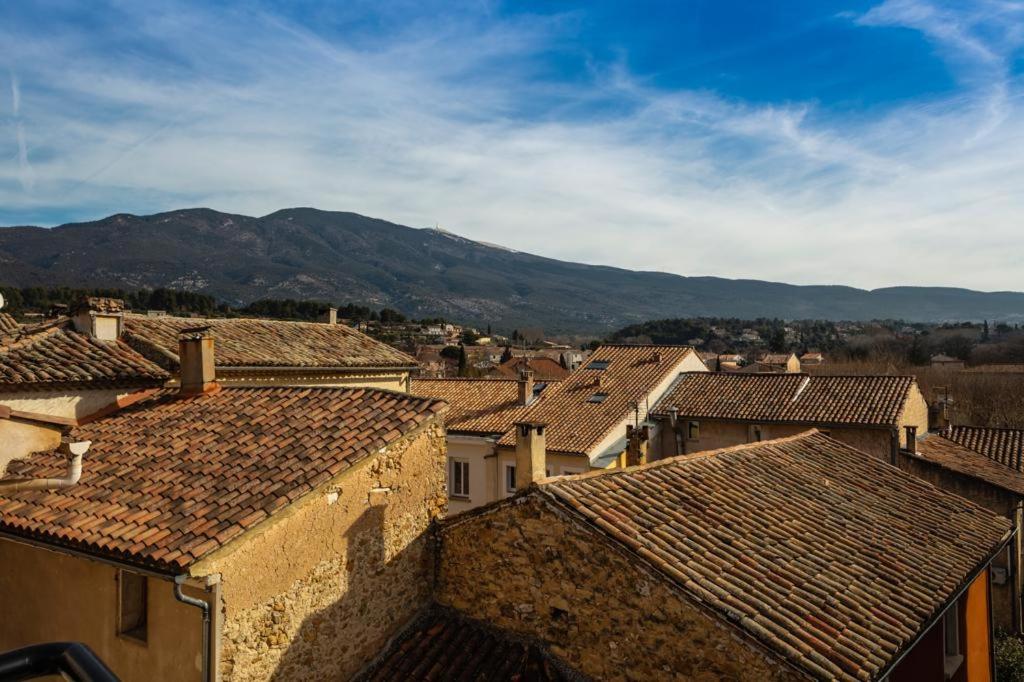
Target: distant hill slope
{"points": [[307, 253]]}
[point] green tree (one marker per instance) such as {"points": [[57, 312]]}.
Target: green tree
{"points": [[462, 360]]}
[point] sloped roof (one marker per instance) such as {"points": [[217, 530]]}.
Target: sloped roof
{"points": [[791, 398], [443, 644], [948, 454], [576, 425], [477, 406], [775, 358], [265, 343], [8, 325], [544, 369], [1005, 446], [59, 357], [828, 556], [170, 479]]}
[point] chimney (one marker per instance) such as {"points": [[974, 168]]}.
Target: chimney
{"points": [[525, 387], [636, 445], [911, 446], [195, 353], [531, 453], [330, 316], [599, 381], [100, 318], [656, 357]]}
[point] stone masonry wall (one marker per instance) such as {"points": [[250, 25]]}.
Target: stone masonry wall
{"points": [[319, 591], [545, 574]]}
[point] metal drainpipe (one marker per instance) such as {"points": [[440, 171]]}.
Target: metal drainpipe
{"points": [[179, 580]]}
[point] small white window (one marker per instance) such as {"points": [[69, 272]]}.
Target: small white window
{"points": [[693, 430], [460, 478], [131, 605], [510, 478]]}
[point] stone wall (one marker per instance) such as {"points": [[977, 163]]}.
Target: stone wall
{"points": [[317, 591], [545, 574]]}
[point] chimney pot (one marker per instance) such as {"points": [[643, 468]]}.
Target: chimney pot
{"points": [[195, 356], [911, 439], [531, 453], [330, 316]]}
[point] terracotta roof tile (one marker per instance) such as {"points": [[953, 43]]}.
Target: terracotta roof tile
{"points": [[826, 555], [8, 325], [443, 644], [577, 423], [478, 406], [265, 343], [61, 357], [791, 398], [949, 454], [1005, 446], [169, 479], [544, 369]]}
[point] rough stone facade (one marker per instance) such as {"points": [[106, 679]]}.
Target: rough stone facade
{"points": [[604, 613], [319, 590]]}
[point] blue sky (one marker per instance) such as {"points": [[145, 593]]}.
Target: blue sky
{"points": [[867, 143]]}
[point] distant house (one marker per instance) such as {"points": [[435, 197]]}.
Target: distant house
{"points": [[704, 411], [779, 363], [779, 560], [812, 359], [946, 362], [986, 466]]}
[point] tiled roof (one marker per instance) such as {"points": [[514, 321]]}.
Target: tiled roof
{"points": [[577, 424], [774, 358], [443, 644], [8, 325], [169, 479], [477, 406], [544, 369], [59, 358], [792, 398], [948, 454], [1005, 446], [265, 343], [831, 558]]}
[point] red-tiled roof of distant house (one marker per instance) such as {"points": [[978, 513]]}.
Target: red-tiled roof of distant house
{"points": [[824, 554], [941, 451], [544, 369], [171, 479], [1005, 446], [477, 406]]}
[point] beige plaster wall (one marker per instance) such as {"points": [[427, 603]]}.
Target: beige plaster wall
{"points": [[316, 591], [49, 596], [19, 439], [609, 617], [478, 451], [723, 434], [915, 413], [71, 404]]}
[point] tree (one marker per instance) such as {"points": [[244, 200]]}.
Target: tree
{"points": [[777, 339], [985, 333], [488, 330], [462, 360], [506, 354]]}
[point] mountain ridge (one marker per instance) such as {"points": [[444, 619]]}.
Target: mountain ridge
{"points": [[426, 272]]}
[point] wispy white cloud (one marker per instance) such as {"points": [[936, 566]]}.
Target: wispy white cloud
{"points": [[26, 176], [455, 121]]}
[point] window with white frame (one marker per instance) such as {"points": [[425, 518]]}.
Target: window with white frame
{"points": [[510, 478], [459, 478]]}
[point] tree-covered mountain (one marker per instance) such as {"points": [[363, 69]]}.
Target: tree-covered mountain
{"points": [[304, 253]]}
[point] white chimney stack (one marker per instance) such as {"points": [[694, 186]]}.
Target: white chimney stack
{"points": [[100, 318]]}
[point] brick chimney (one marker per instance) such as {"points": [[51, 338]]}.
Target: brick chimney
{"points": [[525, 387], [911, 446], [637, 440], [100, 318], [531, 453], [330, 316], [195, 353]]}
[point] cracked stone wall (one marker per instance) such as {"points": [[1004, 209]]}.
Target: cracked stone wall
{"points": [[600, 610], [319, 591]]}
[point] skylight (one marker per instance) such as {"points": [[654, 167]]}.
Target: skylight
{"points": [[597, 398], [599, 364]]}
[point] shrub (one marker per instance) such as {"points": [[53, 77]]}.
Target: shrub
{"points": [[1009, 651]]}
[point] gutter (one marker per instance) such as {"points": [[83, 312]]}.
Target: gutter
{"points": [[73, 453], [204, 606], [887, 670]]}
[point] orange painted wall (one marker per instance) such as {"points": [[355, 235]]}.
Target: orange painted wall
{"points": [[978, 647]]}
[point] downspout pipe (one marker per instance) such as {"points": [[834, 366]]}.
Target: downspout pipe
{"points": [[179, 580], [73, 452]]}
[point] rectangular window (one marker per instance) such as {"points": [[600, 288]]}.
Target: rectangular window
{"points": [[510, 478], [757, 434], [131, 621], [693, 430], [460, 478], [951, 640]]}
